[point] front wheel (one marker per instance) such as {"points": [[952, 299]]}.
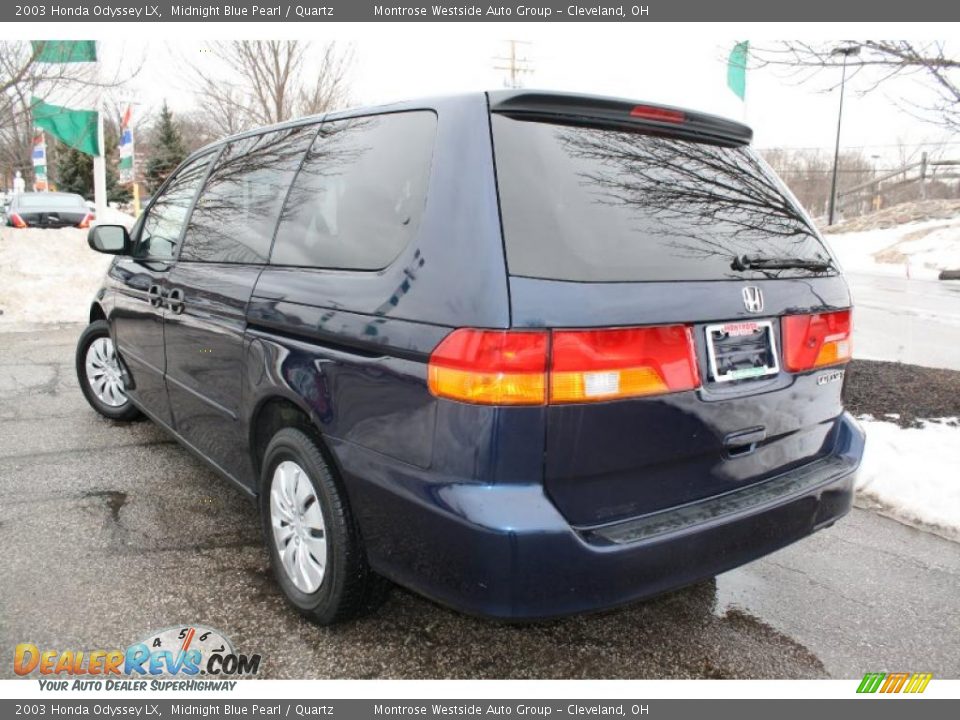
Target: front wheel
{"points": [[315, 549], [100, 374]]}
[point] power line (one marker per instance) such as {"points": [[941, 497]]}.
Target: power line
{"points": [[942, 143], [515, 66]]}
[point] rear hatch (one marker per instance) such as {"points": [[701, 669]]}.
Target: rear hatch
{"points": [[668, 261], [50, 210]]}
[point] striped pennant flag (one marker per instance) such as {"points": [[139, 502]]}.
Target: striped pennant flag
{"points": [[39, 161], [126, 147]]}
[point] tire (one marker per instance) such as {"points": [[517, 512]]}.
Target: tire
{"points": [[300, 503], [97, 358]]}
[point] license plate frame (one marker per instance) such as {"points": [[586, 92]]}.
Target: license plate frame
{"points": [[742, 327]]}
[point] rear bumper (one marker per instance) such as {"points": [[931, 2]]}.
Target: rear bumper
{"points": [[505, 551]]}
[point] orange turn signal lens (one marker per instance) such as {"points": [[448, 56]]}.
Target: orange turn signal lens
{"points": [[491, 367]]}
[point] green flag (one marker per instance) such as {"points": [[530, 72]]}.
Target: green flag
{"points": [[76, 128], [66, 104], [64, 51], [737, 69]]}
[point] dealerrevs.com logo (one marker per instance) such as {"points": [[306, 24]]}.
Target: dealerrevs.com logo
{"points": [[190, 657]]}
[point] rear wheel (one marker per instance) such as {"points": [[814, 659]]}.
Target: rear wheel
{"points": [[100, 374], [315, 550]]}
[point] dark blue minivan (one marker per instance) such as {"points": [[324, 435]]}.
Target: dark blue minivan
{"points": [[525, 353]]}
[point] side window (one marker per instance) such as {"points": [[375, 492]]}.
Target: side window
{"points": [[358, 199], [237, 211], [164, 220]]}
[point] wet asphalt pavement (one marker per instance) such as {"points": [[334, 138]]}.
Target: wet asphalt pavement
{"points": [[109, 531]]}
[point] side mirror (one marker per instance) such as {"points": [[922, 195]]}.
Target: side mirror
{"points": [[109, 239]]}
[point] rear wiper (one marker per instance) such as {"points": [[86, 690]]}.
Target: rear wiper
{"points": [[761, 262]]}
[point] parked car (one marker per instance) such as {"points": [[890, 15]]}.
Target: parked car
{"points": [[525, 353], [48, 210]]}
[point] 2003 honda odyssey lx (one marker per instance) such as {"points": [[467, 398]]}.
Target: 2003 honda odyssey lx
{"points": [[525, 353]]}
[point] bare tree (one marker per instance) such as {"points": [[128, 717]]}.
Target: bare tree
{"points": [[878, 61], [807, 173], [261, 82], [24, 77]]}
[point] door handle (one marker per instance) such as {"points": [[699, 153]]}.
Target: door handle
{"points": [[175, 301], [744, 442], [155, 295]]}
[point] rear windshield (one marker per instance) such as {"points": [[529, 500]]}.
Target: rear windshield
{"points": [[608, 205], [49, 200]]}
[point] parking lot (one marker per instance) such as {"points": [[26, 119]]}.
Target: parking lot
{"points": [[110, 531]]}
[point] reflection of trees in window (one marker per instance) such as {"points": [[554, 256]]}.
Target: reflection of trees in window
{"points": [[235, 216], [164, 221], [713, 200], [359, 195], [333, 152]]}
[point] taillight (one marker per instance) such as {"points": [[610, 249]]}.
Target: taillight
{"points": [[651, 112], [812, 341], [506, 367], [85, 223], [490, 367], [17, 220], [592, 365]]}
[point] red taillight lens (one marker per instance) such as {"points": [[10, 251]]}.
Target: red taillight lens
{"points": [[650, 112], [17, 220], [592, 365], [812, 341], [491, 367], [505, 367], [85, 223]]}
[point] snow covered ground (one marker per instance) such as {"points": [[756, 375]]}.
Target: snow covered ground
{"points": [[902, 312], [911, 473], [918, 250], [49, 276]]}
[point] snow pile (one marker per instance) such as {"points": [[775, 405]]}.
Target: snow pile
{"points": [[112, 216], [47, 276], [911, 473], [925, 248]]}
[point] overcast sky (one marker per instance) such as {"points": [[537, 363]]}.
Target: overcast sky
{"points": [[643, 62]]}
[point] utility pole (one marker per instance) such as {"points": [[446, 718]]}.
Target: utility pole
{"points": [[515, 66], [846, 52], [100, 168]]}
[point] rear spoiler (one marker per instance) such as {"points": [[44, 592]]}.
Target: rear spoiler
{"points": [[611, 112]]}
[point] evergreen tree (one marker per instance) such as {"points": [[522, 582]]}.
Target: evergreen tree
{"points": [[74, 169], [168, 150], [74, 172]]}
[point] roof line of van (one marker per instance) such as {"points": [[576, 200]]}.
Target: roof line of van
{"points": [[539, 104]]}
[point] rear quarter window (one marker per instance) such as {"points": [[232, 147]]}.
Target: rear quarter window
{"points": [[592, 204], [359, 196]]}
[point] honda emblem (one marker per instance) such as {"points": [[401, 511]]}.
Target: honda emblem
{"points": [[753, 299]]}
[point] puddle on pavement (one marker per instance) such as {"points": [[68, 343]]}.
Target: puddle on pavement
{"points": [[114, 500]]}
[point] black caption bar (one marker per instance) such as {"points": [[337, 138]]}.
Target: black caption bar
{"points": [[505, 10], [57, 709]]}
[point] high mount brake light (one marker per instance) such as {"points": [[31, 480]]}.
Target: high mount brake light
{"points": [[506, 367], [812, 341], [650, 112]]}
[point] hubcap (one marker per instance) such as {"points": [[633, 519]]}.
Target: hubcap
{"points": [[103, 373], [298, 528]]}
